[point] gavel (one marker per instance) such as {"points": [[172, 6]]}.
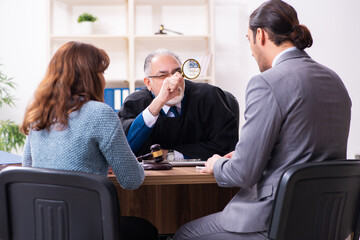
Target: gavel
{"points": [[154, 160], [156, 154]]}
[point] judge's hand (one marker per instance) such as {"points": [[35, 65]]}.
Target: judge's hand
{"points": [[171, 87], [165, 152], [209, 165]]}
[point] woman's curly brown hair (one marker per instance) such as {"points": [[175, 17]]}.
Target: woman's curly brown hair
{"points": [[74, 77]]}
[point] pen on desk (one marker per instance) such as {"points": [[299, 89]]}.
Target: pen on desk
{"points": [[200, 167], [187, 160]]}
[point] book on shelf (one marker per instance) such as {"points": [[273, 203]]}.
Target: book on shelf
{"points": [[138, 88], [115, 97], [204, 62]]}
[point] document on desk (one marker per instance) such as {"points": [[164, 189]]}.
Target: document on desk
{"points": [[8, 158], [187, 163]]}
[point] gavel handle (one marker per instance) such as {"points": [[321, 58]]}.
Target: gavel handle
{"points": [[159, 160], [147, 156]]}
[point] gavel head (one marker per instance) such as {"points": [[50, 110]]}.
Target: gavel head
{"points": [[157, 153]]}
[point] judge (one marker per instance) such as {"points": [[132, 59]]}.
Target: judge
{"points": [[193, 119]]}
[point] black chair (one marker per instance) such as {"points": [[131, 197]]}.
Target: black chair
{"points": [[234, 105], [317, 201], [58, 205]]}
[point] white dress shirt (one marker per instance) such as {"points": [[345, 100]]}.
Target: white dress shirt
{"points": [[277, 56], [150, 120]]}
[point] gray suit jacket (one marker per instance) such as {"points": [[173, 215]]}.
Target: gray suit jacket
{"points": [[296, 112]]}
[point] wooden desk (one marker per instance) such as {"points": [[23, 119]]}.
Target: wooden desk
{"points": [[177, 175], [171, 198]]}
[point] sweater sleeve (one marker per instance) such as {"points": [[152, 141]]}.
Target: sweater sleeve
{"points": [[117, 152], [26, 159]]}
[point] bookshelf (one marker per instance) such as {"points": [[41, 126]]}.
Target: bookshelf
{"points": [[125, 29]]}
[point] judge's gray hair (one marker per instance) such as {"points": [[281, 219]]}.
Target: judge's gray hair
{"points": [[147, 64]]}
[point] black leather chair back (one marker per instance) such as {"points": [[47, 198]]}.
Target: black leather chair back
{"points": [[317, 201], [59, 205], [234, 105]]}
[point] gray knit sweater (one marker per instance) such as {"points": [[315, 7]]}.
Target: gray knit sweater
{"points": [[93, 140]]}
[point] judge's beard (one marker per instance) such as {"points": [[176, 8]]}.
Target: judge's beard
{"points": [[177, 99]]}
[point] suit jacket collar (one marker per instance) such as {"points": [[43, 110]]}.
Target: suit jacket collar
{"points": [[292, 54]]}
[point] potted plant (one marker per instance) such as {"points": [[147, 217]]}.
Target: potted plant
{"points": [[10, 136], [86, 21]]}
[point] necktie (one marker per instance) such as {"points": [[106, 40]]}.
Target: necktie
{"points": [[174, 111]]}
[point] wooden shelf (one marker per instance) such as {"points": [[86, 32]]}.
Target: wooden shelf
{"points": [[172, 37], [69, 37], [173, 2], [125, 30], [93, 2]]}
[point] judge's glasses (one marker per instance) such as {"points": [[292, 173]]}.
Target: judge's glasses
{"points": [[190, 69], [164, 75]]}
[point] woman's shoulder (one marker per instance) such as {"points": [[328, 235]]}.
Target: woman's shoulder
{"points": [[96, 107], [98, 110]]}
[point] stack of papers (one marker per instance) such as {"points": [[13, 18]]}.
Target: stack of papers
{"points": [[9, 158], [187, 163]]}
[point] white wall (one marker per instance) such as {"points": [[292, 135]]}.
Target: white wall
{"points": [[22, 49], [333, 24], [336, 34]]}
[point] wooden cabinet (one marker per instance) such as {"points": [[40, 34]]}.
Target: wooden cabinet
{"points": [[126, 31]]}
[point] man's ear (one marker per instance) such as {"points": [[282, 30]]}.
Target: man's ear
{"points": [[261, 36], [147, 82]]}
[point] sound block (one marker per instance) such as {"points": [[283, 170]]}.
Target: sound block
{"points": [[157, 166]]}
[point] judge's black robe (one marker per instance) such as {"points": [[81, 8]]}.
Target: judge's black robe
{"points": [[205, 127]]}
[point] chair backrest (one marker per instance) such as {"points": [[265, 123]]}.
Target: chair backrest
{"points": [[317, 201], [58, 205], [234, 105]]}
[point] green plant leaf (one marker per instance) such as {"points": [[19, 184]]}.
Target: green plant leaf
{"points": [[6, 84], [86, 17], [10, 136]]}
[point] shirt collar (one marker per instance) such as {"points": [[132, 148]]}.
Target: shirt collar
{"points": [[166, 108], [280, 54]]}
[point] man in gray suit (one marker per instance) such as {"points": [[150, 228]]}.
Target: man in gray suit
{"points": [[297, 111]]}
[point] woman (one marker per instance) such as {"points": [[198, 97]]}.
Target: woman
{"points": [[70, 127]]}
